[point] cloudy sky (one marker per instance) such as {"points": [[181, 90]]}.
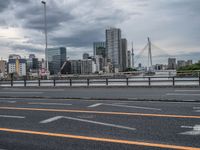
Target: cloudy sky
{"points": [[172, 25]]}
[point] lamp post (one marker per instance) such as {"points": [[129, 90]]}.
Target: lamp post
{"points": [[45, 28]]}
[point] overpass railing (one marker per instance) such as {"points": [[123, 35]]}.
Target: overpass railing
{"points": [[134, 81]]}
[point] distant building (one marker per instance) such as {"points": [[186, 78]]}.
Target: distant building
{"points": [[100, 59], [75, 66], [124, 54], [32, 63], [56, 58], [17, 66], [86, 56], [113, 48], [189, 62], [3, 68], [82, 66], [172, 63], [159, 67], [181, 63], [97, 46], [66, 68], [128, 59]]}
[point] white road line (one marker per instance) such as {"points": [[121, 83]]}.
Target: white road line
{"points": [[196, 107], [5, 101], [17, 117], [21, 92], [51, 119], [195, 131], [95, 105], [61, 104], [183, 94], [87, 121], [187, 90], [137, 107]]}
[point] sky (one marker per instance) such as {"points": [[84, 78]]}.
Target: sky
{"points": [[172, 25]]}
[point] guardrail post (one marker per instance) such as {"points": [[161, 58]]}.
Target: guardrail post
{"points": [[199, 81], [149, 79], [127, 81], [70, 82], [24, 82], [107, 81], [54, 82], [11, 82], [88, 82], [38, 82], [173, 79]]}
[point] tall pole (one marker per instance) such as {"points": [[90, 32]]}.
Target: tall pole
{"points": [[45, 29], [133, 63], [149, 54]]}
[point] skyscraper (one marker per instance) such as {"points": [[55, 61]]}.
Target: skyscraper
{"points": [[56, 58], [172, 63], [124, 54], [113, 48]]}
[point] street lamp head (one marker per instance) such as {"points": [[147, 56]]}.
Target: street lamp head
{"points": [[43, 2]]}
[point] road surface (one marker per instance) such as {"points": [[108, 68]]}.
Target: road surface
{"points": [[60, 124], [137, 93]]}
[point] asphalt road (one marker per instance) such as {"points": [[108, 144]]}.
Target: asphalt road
{"points": [[137, 93], [65, 124]]}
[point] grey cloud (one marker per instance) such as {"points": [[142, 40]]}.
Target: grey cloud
{"points": [[4, 4], [81, 39]]}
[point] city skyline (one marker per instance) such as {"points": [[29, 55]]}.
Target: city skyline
{"points": [[76, 27]]}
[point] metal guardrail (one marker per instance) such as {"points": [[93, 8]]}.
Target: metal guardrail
{"points": [[136, 81]]}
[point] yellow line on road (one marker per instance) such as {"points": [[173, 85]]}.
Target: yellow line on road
{"points": [[101, 112], [99, 139]]}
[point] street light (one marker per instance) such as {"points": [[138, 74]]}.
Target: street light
{"points": [[45, 28]]}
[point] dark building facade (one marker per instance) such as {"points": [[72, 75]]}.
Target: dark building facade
{"points": [[56, 59]]}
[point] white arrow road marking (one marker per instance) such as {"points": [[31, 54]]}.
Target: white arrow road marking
{"points": [[138, 107], [118, 105], [195, 131], [61, 104], [87, 121], [51, 119], [17, 117], [95, 105]]}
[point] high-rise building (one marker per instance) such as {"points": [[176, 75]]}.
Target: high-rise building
{"points": [[56, 59], [124, 54], [113, 48], [17, 66], [84, 66], [100, 59], [97, 47], [32, 63], [172, 63], [3, 68], [128, 59]]}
